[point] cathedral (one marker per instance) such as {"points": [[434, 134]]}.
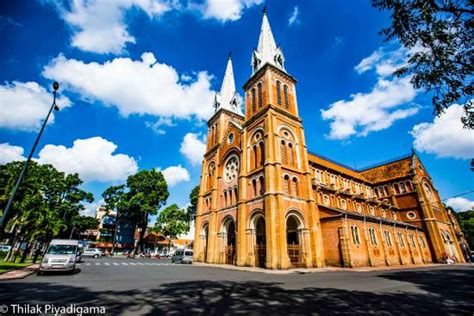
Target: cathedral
{"points": [[265, 200]]}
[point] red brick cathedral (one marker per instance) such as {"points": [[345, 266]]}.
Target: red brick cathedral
{"points": [[266, 201]]}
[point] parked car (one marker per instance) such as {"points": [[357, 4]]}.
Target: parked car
{"points": [[92, 252], [5, 248], [182, 256], [61, 255]]}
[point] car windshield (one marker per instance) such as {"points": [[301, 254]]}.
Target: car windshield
{"points": [[61, 250], [188, 253]]}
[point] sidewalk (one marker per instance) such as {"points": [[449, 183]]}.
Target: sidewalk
{"points": [[326, 269], [19, 273]]}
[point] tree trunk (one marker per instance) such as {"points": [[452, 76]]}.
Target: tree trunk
{"points": [[143, 227], [72, 232], [25, 252], [114, 237]]}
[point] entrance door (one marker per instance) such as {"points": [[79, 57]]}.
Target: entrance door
{"points": [[230, 247], [292, 241], [260, 246]]}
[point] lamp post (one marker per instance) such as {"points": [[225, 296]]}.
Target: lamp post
{"points": [[25, 166]]}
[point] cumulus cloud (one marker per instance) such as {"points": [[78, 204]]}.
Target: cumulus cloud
{"points": [[445, 136], [378, 109], [294, 18], [175, 175], [143, 86], [9, 153], [193, 148], [225, 10], [100, 26], [90, 209], [157, 126], [460, 204], [92, 158], [24, 105]]}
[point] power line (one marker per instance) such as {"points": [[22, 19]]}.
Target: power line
{"points": [[458, 195]]}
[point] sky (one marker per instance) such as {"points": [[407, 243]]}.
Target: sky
{"points": [[138, 77]]}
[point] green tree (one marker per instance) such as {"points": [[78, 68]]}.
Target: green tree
{"points": [[440, 32], [466, 223], [142, 196], [193, 201], [46, 202], [172, 222], [82, 223]]}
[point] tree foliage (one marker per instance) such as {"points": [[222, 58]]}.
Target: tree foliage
{"points": [[47, 204], [172, 222], [193, 201], [440, 35], [466, 223], [142, 196]]}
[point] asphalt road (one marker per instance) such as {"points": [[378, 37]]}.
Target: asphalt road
{"points": [[156, 287]]}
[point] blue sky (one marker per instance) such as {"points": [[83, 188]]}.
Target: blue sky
{"points": [[138, 78]]}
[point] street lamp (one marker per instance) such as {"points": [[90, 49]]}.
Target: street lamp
{"points": [[25, 166]]}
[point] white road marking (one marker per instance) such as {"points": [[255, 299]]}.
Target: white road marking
{"points": [[97, 263], [133, 263], [106, 263], [125, 264], [88, 264], [140, 264], [116, 264]]}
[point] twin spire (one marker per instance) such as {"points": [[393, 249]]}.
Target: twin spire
{"points": [[267, 52]]}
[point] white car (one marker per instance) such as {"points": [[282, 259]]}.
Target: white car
{"points": [[61, 255], [92, 252]]}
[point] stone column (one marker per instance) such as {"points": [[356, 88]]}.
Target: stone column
{"points": [[251, 241]]}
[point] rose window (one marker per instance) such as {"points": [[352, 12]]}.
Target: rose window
{"points": [[231, 170]]}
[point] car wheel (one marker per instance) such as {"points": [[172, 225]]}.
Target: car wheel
{"points": [[39, 272], [96, 256], [73, 270]]}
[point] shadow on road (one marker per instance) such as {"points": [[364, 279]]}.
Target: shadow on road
{"points": [[450, 291]]}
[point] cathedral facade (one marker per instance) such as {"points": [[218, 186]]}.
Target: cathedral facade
{"points": [[266, 201]]}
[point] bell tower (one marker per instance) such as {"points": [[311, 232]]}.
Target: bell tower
{"points": [[275, 170]]}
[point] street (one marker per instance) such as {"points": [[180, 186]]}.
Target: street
{"points": [[147, 286]]}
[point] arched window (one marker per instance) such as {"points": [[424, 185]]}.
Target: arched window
{"points": [[402, 187], [262, 153], [255, 157], [278, 84], [397, 189], [262, 185], [260, 97], [285, 92], [286, 184], [290, 154], [236, 195], [387, 192], [225, 199], [409, 186], [376, 191], [254, 187], [295, 186], [283, 152], [253, 101]]}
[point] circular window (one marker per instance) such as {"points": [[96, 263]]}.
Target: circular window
{"points": [[231, 169], [286, 134], [257, 136], [411, 215], [230, 139]]}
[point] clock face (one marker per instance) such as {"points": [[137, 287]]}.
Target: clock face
{"points": [[231, 169]]}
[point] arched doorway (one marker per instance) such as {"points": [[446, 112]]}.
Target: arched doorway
{"points": [[293, 240], [260, 242], [230, 241], [204, 241]]}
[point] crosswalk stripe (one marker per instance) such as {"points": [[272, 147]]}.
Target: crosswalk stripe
{"points": [[116, 264], [125, 264], [140, 264], [106, 263], [88, 264], [97, 264], [133, 263]]}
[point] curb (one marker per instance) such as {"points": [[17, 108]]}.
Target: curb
{"points": [[327, 269], [19, 273]]}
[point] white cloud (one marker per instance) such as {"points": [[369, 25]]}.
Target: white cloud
{"points": [[24, 105], [175, 174], [225, 10], [100, 26], [294, 18], [193, 148], [460, 204], [161, 122], [445, 136], [136, 86], [373, 111], [92, 158], [91, 208], [379, 108], [9, 153]]}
